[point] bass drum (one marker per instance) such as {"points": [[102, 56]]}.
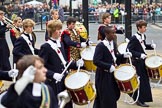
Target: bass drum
{"points": [[80, 88], [87, 55], [81, 29], [154, 66], [126, 78]]}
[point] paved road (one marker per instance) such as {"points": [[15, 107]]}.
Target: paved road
{"points": [[153, 33]]}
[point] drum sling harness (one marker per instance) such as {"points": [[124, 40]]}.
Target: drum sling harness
{"points": [[29, 43], [54, 47]]}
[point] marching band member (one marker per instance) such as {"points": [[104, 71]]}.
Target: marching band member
{"points": [[55, 16], [106, 18], [72, 40], [54, 56], [106, 58], [30, 91], [4, 49], [17, 30], [137, 46], [25, 44]]}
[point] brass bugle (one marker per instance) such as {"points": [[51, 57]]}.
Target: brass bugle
{"points": [[8, 22]]}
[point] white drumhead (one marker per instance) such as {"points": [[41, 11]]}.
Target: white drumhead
{"points": [[122, 48], [77, 80], [88, 53], [124, 73], [153, 61]]}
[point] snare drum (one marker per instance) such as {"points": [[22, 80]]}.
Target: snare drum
{"points": [[1, 85], [87, 55], [122, 47], [126, 78], [80, 88], [154, 66]]}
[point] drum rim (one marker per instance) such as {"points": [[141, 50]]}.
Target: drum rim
{"points": [[121, 44], [147, 59], [80, 88], [124, 65], [78, 103], [131, 91], [81, 52]]}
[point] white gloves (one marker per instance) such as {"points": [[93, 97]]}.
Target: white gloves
{"points": [[112, 68], [120, 27], [127, 40], [27, 77], [80, 63], [83, 44], [127, 54], [57, 76], [89, 43], [29, 73], [143, 56], [153, 46], [63, 98], [13, 73]]}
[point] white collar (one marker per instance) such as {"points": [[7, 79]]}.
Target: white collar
{"points": [[57, 42], [142, 35], [110, 47], [21, 30], [30, 35], [36, 91], [140, 39]]}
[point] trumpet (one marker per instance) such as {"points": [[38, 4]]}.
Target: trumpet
{"points": [[8, 22]]}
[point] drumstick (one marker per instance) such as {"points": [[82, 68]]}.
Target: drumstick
{"points": [[130, 61], [87, 40], [79, 66], [154, 48], [14, 78], [65, 68]]}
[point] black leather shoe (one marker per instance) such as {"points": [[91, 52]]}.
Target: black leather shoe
{"points": [[141, 104]]}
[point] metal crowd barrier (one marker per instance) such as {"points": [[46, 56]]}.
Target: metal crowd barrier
{"points": [[42, 18]]}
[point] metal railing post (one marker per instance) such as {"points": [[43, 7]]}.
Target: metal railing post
{"points": [[41, 22]]}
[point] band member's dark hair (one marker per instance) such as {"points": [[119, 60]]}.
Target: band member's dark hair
{"points": [[70, 20], [108, 29], [25, 62], [141, 23]]}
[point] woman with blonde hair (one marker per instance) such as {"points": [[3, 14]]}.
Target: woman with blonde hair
{"points": [[25, 44], [17, 30]]}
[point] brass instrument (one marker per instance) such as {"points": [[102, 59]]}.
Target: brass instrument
{"points": [[8, 22], [12, 26]]}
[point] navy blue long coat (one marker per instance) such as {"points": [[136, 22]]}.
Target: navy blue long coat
{"points": [[4, 50], [106, 87], [136, 49], [54, 65]]}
